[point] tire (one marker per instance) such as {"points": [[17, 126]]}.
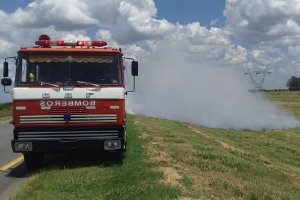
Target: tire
{"points": [[33, 160]]}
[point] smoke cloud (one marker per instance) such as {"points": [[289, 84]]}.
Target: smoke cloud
{"points": [[175, 86]]}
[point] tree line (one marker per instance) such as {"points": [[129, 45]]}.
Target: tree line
{"points": [[293, 83]]}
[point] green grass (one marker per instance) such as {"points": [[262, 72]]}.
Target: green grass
{"points": [[221, 164], [287, 100], [99, 177], [5, 111], [174, 160]]}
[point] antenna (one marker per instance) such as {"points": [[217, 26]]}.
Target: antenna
{"points": [[258, 77]]}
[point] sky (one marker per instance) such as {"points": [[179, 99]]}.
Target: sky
{"points": [[191, 47], [208, 12]]}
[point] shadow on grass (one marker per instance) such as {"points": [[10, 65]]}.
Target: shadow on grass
{"points": [[68, 161], [77, 160]]}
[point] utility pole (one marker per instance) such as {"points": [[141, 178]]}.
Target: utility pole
{"points": [[257, 78]]}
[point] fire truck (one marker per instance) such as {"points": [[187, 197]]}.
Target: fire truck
{"points": [[68, 96]]}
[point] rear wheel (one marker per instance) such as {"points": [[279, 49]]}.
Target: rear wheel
{"points": [[33, 160]]}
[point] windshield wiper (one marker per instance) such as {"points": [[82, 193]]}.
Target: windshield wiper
{"points": [[88, 83], [46, 83]]}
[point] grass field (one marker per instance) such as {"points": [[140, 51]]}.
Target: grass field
{"points": [[174, 160], [288, 100]]}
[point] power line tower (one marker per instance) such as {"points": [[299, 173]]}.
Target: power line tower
{"points": [[258, 77]]}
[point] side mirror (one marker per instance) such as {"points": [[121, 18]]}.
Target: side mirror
{"points": [[6, 81], [5, 69], [134, 68]]}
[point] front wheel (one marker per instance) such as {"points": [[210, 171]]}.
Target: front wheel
{"points": [[33, 160]]}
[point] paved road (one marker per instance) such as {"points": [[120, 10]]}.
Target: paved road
{"points": [[13, 176]]}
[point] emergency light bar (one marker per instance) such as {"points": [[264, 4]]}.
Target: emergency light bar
{"points": [[45, 41]]}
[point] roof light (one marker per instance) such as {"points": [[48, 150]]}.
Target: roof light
{"points": [[60, 43], [92, 43], [44, 41], [80, 43], [99, 43], [44, 37]]}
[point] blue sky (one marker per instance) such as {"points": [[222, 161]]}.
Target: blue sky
{"points": [[12, 5], [203, 11]]}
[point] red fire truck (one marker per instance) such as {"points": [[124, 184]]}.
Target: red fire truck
{"points": [[68, 96]]}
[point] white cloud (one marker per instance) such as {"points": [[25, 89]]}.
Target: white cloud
{"points": [[294, 51], [236, 55], [201, 35], [142, 20], [6, 47], [213, 22], [129, 21], [69, 15], [258, 21]]}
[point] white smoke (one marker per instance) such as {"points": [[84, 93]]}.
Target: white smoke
{"points": [[173, 86]]}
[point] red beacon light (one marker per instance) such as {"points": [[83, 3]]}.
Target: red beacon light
{"points": [[92, 43], [80, 43], [60, 43], [44, 41], [99, 43]]}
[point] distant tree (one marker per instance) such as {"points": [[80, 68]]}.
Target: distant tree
{"points": [[293, 83]]}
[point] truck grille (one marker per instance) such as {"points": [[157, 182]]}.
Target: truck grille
{"points": [[59, 119], [68, 135], [69, 110]]}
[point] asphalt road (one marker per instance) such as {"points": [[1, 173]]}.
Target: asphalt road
{"points": [[9, 178]]}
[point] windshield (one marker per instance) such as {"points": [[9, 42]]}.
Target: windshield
{"points": [[68, 70]]}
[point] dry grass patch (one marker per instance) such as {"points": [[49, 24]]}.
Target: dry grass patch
{"points": [[156, 153], [159, 157], [171, 176], [295, 180], [207, 136], [144, 135], [185, 198], [227, 147]]}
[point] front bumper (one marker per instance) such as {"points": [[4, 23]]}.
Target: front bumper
{"points": [[56, 140]]}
